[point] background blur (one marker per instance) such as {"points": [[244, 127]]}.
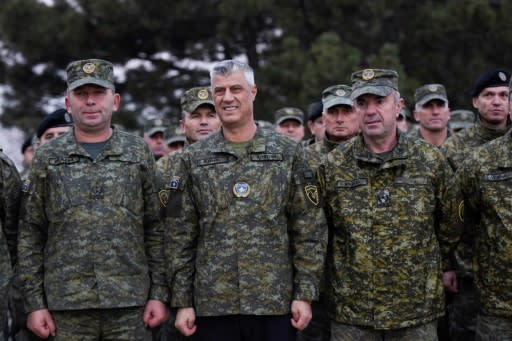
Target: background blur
{"points": [[297, 48]]}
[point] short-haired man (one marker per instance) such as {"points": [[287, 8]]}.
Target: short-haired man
{"points": [[90, 238], [315, 124], [391, 203], [248, 246], [154, 135], [490, 96], [432, 112], [54, 125], [289, 121]]}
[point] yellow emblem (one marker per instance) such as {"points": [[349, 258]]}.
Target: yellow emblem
{"points": [[202, 94], [368, 74], [461, 210], [340, 93], [89, 68], [163, 195], [432, 88], [312, 194]]}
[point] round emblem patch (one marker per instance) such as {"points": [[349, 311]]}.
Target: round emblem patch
{"points": [[432, 88], [502, 76], [89, 68], [202, 94], [340, 93], [241, 190], [368, 74]]}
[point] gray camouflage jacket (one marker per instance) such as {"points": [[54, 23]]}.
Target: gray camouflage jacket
{"points": [[90, 235], [248, 233]]}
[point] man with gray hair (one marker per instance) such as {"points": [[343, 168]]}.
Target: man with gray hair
{"points": [[432, 112], [391, 202], [248, 243]]}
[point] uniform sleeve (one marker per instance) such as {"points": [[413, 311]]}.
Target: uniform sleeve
{"points": [[153, 232], [181, 234], [10, 204], [32, 236], [449, 222], [308, 230]]}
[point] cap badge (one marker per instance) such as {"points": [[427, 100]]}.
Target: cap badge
{"points": [[89, 68], [241, 190], [368, 74], [432, 88], [158, 122], [202, 94], [340, 93], [502, 76], [67, 118]]}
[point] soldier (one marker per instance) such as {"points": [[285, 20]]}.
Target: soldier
{"points": [[401, 120], [27, 150], [486, 183], [90, 239], [461, 119], [10, 186], [198, 121], [53, 125], [289, 121], [491, 99], [174, 143], [391, 204], [249, 239], [432, 112], [315, 124], [154, 135], [340, 121]]}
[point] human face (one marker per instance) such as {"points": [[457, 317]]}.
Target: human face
{"points": [[493, 106], [233, 97], [91, 107], [341, 122], [200, 123], [291, 128], [28, 155], [52, 133], [174, 147], [156, 143], [378, 115], [401, 124], [317, 128], [433, 115]]}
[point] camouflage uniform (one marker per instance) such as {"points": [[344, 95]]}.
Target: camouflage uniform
{"points": [[10, 186], [463, 309], [90, 236], [486, 182], [393, 226], [249, 235]]}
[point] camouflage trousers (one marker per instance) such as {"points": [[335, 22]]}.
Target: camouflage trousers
{"points": [[490, 328], [100, 324], [345, 332]]}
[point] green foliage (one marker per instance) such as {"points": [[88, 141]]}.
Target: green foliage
{"points": [[297, 48]]}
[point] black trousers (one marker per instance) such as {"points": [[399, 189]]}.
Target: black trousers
{"points": [[245, 328]]}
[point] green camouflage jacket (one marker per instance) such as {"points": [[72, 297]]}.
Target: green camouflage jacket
{"points": [[10, 190], [457, 149], [90, 235], [251, 235], [486, 183], [316, 152], [394, 224]]}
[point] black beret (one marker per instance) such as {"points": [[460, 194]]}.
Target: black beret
{"points": [[58, 118], [27, 143], [315, 111], [490, 78]]}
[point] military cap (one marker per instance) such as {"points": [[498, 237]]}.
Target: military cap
{"points": [[195, 97], [489, 79], [428, 92], [405, 112], [336, 95], [378, 82], [176, 139], [461, 118], [288, 113], [315, 111], [90, 71], [156, 125], [58, 118]]}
